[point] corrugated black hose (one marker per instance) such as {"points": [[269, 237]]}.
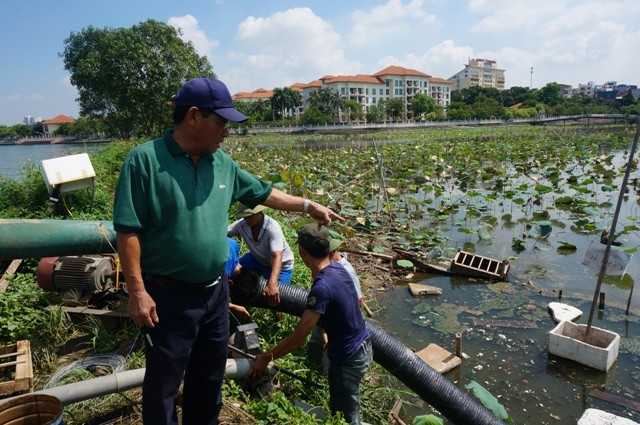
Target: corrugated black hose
{"points": [[389, 352]]}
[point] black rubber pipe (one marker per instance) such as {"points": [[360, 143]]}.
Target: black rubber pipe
{"points": [[395, 357]]}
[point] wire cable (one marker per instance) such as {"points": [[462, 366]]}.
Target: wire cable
{"points": [[115, 362]]}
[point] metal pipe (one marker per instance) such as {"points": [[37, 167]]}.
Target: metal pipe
{"points": [[121, 381], [22, 238]]}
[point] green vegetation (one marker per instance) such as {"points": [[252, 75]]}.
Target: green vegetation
{"points": [[118, 77], [521, 102], [409, 187]]}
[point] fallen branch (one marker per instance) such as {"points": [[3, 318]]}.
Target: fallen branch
{"points": [[371, 253], [386, 269]]}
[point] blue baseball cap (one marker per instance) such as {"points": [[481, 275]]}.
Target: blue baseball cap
{"points": [[210, 93]]}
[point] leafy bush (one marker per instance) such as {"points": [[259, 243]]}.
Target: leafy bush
{"points": [[21, 309]]}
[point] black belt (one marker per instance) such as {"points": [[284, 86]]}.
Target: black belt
{"points": [[181, 286]]}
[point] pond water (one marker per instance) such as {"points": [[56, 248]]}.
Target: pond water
{"points": [[510, 357], [14, 157]]}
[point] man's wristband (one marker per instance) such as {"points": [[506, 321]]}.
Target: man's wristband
{"points": [[305, 206]]}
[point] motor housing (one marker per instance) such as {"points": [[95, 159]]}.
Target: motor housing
{"points": [[86, 273]]}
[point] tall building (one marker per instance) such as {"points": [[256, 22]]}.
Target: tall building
{"points": [[479, 72], [31, 120]]}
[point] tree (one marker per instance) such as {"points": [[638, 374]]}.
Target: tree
{"points": [[515, 95], [22, 129], [285, 101], [375, 113], [260, 109], [128, 75], [87, 127], [550, 94], [394, 108], [422, 104], [460, 111], [328, 101], [313, 116], [353, 110]]}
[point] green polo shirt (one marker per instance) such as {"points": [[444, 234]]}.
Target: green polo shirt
{"points": [[181, 210]]}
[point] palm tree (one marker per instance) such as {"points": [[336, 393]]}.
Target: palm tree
{"points": [[259, 109], [328, 101], [286, 101], [277, 102], [292, 101]]}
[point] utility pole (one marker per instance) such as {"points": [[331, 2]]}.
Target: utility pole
{"points": [[531, 81]]}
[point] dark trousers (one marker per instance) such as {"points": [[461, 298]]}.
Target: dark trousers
{"points": [[190, 340]]}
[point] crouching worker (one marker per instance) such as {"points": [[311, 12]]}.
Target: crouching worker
{"points": [[332, 303], [269, 253]]}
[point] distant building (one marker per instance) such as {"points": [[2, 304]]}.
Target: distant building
{"points": [[588, 89], [369, 90], [567, 90], [50, 126], [611, 90], [479, 72], [31, 120]]}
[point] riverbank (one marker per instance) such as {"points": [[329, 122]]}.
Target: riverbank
{"points": [[53, 141]]}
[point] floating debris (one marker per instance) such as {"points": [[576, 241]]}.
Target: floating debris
{"points": [[418, 289], [522, 324], [561, 311]]}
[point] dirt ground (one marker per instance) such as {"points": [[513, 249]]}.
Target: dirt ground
{"points": [[376, 267]]}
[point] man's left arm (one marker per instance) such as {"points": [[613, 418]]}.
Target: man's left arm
{"points": [[282, 201], [294, 340]]}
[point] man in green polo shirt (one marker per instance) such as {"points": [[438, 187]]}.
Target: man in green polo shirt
{"points": [[170, 215]]}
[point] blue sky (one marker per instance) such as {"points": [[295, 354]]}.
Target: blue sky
{"points": [[265, 44]]}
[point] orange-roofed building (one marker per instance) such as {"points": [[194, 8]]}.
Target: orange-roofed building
{"points": [[392, 82], [50, 126], [440, 90], [258, 94]]}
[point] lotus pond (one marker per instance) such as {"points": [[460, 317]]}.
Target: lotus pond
{"points": [[537, 196]]}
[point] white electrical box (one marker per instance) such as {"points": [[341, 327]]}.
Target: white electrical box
{"points": [[68, 173]]}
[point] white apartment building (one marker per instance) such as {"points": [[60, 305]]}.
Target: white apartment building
{"points": [[479, 72], [389, 83], [368, 90]]}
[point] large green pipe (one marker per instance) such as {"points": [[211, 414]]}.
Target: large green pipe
{"points": [[53, 238]]}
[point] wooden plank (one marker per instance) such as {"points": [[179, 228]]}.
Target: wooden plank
{"points": [[420, 262], [11, 363], [394, 414], [439, 358], [23, 373], [110, 319], [11, 270], [615, 399], [12, 354]]}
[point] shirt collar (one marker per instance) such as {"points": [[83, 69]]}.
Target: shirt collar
{"points": [[175, 149]]}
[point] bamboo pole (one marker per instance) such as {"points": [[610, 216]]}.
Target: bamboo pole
{"points": [[612, 231]]}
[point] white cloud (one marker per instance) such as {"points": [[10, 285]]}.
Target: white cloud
{"points": [[442, 60], [10, 99], [287, 47], [191, 31], [392, 18], [512, 15]]}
